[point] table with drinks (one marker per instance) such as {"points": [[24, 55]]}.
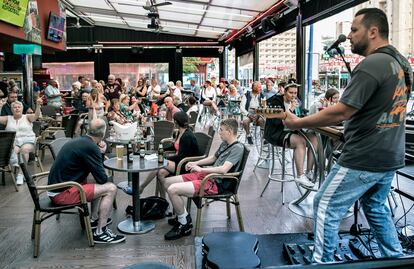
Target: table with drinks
{"points": [[133, 165]]}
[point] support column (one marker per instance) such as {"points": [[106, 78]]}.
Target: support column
{"points": [[300, 59], [255, 62], [27, 61]]}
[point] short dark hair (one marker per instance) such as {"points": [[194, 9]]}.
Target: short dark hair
{"points": [[282, 84], [80, 78], [377, 17], [231, 125]]}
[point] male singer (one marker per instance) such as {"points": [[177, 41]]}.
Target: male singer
{"points": [[373, 106]]}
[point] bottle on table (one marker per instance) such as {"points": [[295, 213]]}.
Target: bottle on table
{"points": [[130, 157], [160, 153], [142, 150]]}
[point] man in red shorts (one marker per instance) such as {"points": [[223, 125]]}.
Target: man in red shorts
{"points": [[76, 160], [226, 159]]}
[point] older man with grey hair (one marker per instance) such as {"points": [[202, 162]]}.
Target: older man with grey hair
{"points": [[53, 95], [76, 160], [112, 89]]}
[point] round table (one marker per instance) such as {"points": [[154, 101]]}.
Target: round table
{"points": [[134, 225]]}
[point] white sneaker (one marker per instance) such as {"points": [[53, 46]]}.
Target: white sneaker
{"points": [[309, 174], [303, 180], [19, 179]]}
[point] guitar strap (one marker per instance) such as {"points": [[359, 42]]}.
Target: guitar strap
{"points": [[405, 68]]}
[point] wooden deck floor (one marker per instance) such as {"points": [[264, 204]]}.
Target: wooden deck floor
{"points": [[64, 245]]}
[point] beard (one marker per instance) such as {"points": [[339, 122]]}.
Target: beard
{"points": [[360, 47]]}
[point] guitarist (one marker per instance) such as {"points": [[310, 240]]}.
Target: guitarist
{"points": [[275, 133], [373, 106]]}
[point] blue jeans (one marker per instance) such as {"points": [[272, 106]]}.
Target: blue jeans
{"points": [[337, 194]]}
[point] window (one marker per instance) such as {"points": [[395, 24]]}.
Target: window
{"points": [[67, 73]]}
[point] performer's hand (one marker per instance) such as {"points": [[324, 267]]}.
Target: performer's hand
{"points": [[290, 120]]}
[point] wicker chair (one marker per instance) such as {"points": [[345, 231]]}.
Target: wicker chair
{"points": [[229, 196], [44, 208], [6, 148]]}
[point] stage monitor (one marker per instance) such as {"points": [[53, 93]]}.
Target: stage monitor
{"points": [[56, 28]]}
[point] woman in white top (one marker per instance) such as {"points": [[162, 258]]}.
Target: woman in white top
{"points": [[154, 90], [209, 95], [96, 103], [25, 137]]}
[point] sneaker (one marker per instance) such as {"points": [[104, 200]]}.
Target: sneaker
{"points": [[250, 140], [309, 175], [19, 179], [180, 230], [125, 187], [107, 237], [174, 221], [303, 180], [94, 223]]}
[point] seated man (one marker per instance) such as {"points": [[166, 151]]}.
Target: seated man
{"points": [[76, 160], [275, 133], [249, 103], [226, 159], [53, 94], [171, 108], [6, 110]]}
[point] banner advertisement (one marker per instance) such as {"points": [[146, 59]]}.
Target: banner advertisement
{"points": [[13, 11]]}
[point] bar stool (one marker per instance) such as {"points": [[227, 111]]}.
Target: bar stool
{"points": [[281, 156]]}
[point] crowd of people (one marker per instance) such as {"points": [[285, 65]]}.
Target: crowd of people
{"points": [[368, 106]]}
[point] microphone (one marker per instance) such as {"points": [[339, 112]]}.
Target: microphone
{"points": [[341, 38]]}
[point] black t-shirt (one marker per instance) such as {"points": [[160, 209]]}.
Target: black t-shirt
{"points": [[274, 128], [375, 134], [76, 160]]}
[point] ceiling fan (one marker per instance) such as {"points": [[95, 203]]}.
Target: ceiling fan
{"points": [[77, 25], [151, 5]]}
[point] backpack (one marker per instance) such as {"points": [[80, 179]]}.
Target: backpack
{"points": [[152, 208]]}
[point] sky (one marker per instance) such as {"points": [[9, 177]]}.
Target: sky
{"points": [[327, 27]]}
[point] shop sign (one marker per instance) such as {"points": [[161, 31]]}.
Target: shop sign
{"points": [[13, 11]]}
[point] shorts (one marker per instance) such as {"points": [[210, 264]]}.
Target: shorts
{"points": [[71, 196], [24, 140], [196, 178]]}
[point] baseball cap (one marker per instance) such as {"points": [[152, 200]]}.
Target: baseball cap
{"points": [[171, 85]]}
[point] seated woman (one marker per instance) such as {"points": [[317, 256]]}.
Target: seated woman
{"points": [[331, 98], [209, 95], [25, 137], [275, 133], [193, 106], [115, 114], [185, 146], [232, 96], [126, 108]]}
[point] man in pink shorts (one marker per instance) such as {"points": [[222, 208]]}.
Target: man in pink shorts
{"points": [[76, 160], [226, 159]]}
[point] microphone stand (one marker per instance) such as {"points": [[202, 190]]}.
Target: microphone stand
{"points": [[348, 66]]}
